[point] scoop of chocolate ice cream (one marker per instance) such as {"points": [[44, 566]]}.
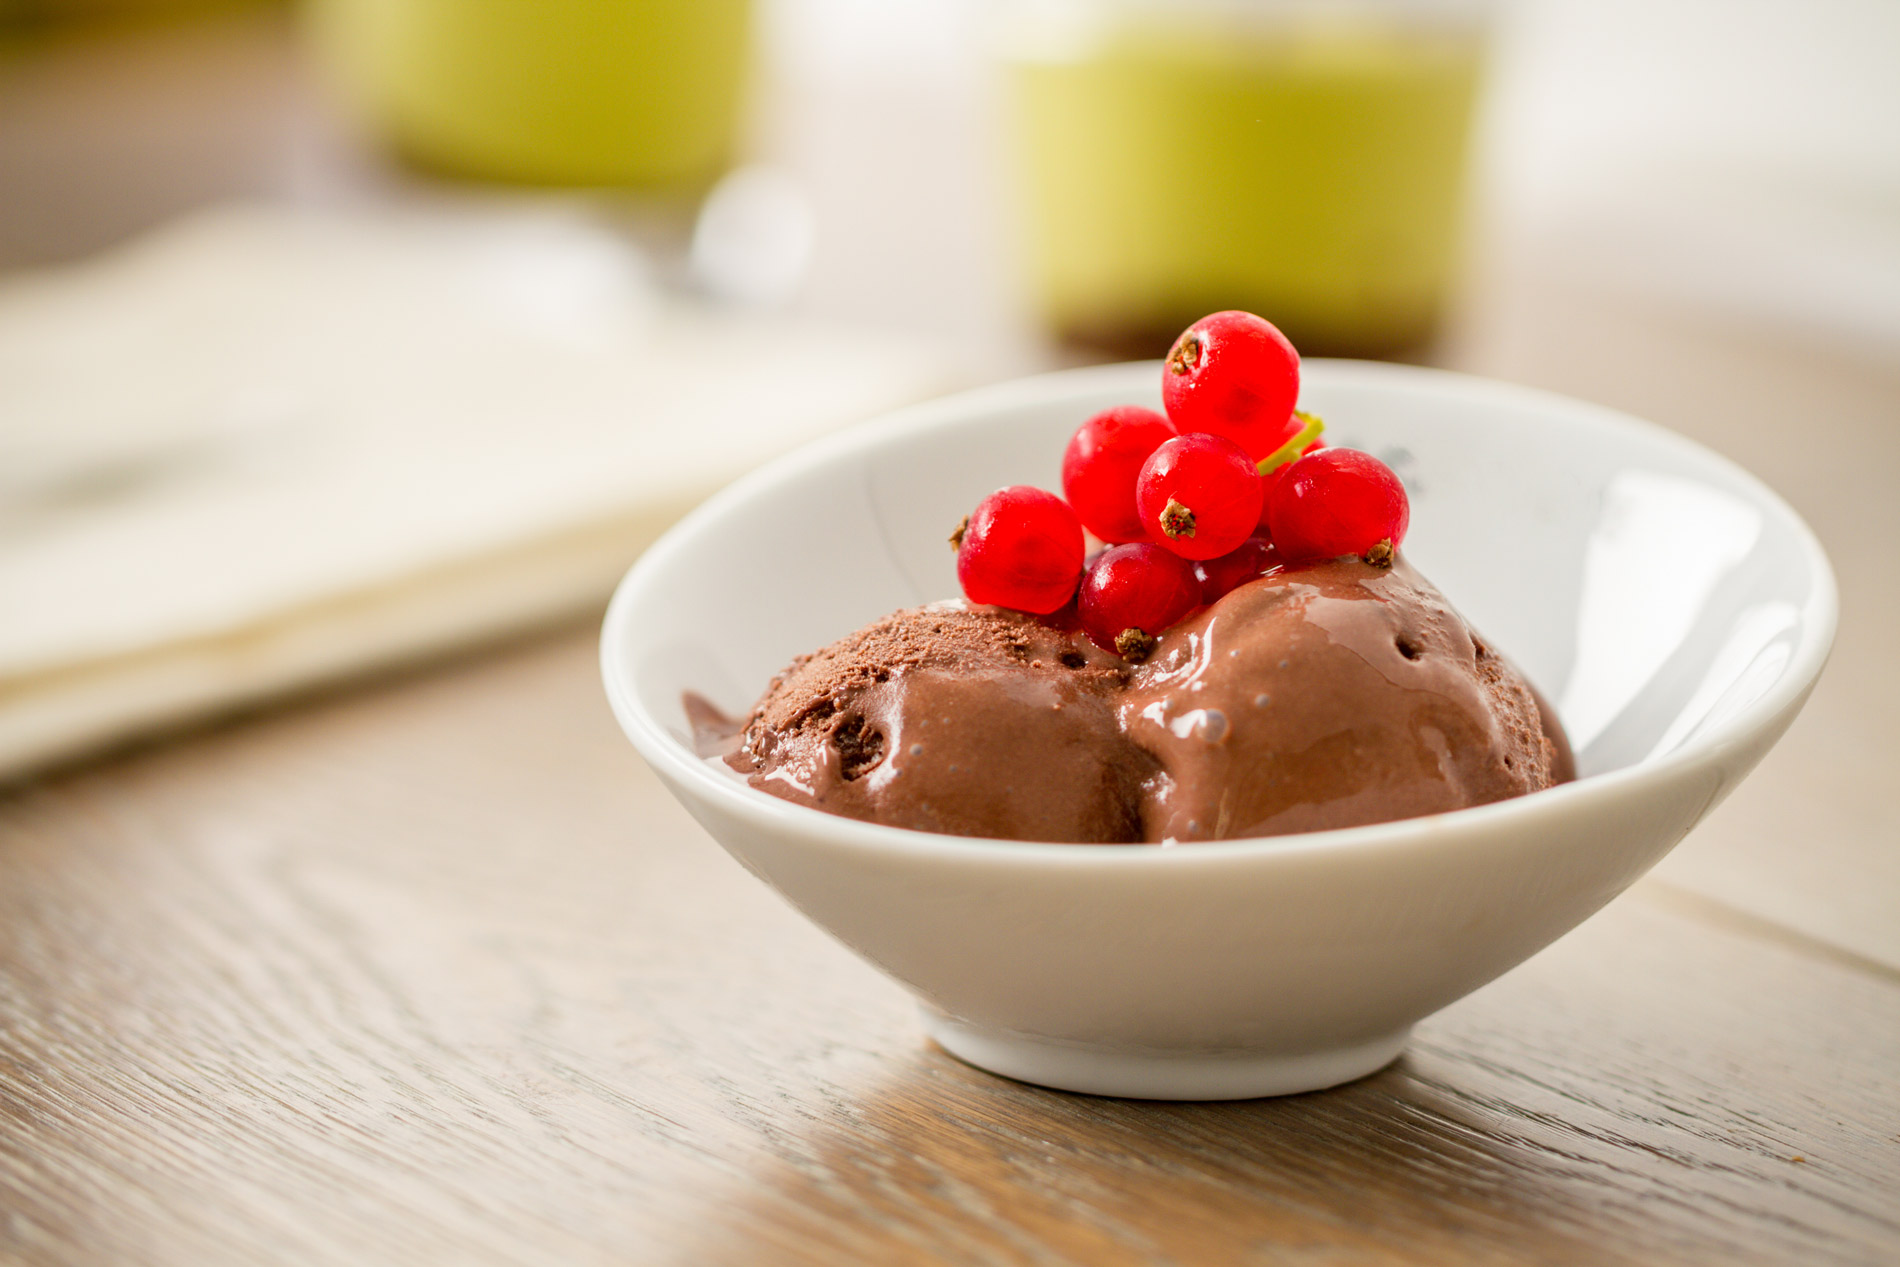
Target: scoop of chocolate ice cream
{"points": [[1328, 696], [1331, 696], [965, 721]]}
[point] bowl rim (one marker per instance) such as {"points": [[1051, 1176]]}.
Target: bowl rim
{"points": [[1521, 814]]}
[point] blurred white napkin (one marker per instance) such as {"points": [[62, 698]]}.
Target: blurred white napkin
{"points": [[264, 447]]}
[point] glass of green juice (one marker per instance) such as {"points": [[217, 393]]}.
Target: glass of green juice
{"points": [[628, 93], [1301, 159]]}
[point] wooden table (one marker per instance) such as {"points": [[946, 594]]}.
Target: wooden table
{"points": [[432, 970]]}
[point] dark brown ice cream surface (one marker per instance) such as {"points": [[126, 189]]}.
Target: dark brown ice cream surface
{"points": [[968, 721], [1329, 696]]}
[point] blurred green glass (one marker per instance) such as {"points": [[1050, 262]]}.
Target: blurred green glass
{"points": [[1303, 161], [642, 93]]}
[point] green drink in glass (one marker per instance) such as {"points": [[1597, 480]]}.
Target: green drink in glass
{"points": [[638, 93], [1303, 161]]}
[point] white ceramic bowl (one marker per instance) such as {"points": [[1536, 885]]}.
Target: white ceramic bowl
{"points": [[1676, 610]]}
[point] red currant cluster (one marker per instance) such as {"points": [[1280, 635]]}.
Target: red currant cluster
{"points": [[1231, 484]]}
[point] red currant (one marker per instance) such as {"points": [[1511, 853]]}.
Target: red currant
{"points": [[1100, 465], [1132, 593], [1337, 502], [1269, 480], [1233, 374], [1199, 495], [1020, 548], [1252, 558]]}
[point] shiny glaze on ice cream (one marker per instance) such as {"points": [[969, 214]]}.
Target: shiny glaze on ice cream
{"points": [[1329, 696]]}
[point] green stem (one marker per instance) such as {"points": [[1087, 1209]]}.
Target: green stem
{"points": [[1310, 427]]}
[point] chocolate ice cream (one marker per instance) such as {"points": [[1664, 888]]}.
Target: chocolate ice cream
{"points": [[968, 721], [1328, 696], [1332, 696]]}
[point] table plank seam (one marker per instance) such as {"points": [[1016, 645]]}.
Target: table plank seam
{"points": [[1712, 912]]}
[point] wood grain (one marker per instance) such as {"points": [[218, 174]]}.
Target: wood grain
{"points": [[437, 972]]}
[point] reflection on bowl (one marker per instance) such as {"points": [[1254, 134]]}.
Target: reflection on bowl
{"points": [[1676, 608]]}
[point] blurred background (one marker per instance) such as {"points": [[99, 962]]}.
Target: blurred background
{"points": [[955, 166], [347, 332]]}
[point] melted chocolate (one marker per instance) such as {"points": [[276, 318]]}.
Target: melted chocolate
{"points": [[1325, 697], [1328, 697]]}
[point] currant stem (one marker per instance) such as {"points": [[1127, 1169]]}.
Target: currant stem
{"points": [[1310, 428]]}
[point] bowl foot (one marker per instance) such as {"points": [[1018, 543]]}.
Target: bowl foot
{"points": [[1158, 1075]]}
